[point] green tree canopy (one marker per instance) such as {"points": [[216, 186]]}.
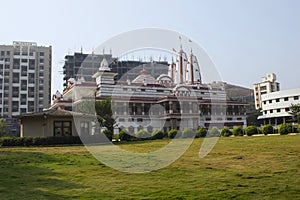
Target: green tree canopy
{"points": [[295, 112], [104, 114]]}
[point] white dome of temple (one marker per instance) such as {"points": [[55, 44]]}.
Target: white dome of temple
{"points": [[144, 78]]}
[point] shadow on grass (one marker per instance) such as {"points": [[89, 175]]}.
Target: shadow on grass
{"points": [[31, 175]]}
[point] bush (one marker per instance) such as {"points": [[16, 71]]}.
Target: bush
{"points": [[267, 129], [298, 129], [39, 141], [201, 132], [124, 135], [285, 129], [158, 134], [225, 132], [187, 133], [172, 133], [142, 134], [251, 130], [237, 131], [214, 132]]}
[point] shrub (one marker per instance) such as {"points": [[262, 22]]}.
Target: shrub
{"points": [[172, 133], [251, 130], [142, 134], [124, 135], [225, 132], [237, 131], [201, 132], [298, 129], [158, 134], [187, 133], [214, 132], [285, 129], [267, 129], [40, 141]]}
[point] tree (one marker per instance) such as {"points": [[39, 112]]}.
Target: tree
{"points": [[3, 127], [104, 114], [295, 112]]}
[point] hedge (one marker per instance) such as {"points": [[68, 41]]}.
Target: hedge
{"points": [[39, 141]]}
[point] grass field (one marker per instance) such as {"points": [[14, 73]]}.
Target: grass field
{"points": [[265, 167]]}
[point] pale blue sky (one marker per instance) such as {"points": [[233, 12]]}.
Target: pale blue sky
{"points": [[245, 39]]}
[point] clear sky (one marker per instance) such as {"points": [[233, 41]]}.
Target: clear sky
{"points": [[245, 39]]}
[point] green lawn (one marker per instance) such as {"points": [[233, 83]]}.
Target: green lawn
{"points": [[265, 167]]}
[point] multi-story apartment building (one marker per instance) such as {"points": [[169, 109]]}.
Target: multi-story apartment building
{"points": [[276, 106], [25, 78], [85, 65], [267, 85]]}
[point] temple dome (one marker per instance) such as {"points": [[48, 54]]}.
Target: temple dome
{"points": [[144, 78]]}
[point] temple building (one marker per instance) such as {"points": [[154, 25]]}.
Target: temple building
{"points": [[176, 100]]}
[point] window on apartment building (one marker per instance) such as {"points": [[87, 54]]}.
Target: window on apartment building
{"points": [[62, 128], [270, 101], [15, 92], [8, 53], [287, 109], [41, 67], [296, 97], [265, 102], [265, 112], [271, 111], [7, 59], [31, 64], [23, 70], [16, 77], [286, 98], [24, 60], [277, 100], [278, 110], [23, 84], [23, 110], [15, 106], [23, 99], [2, 53], [41, 60], [42, 53]]}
